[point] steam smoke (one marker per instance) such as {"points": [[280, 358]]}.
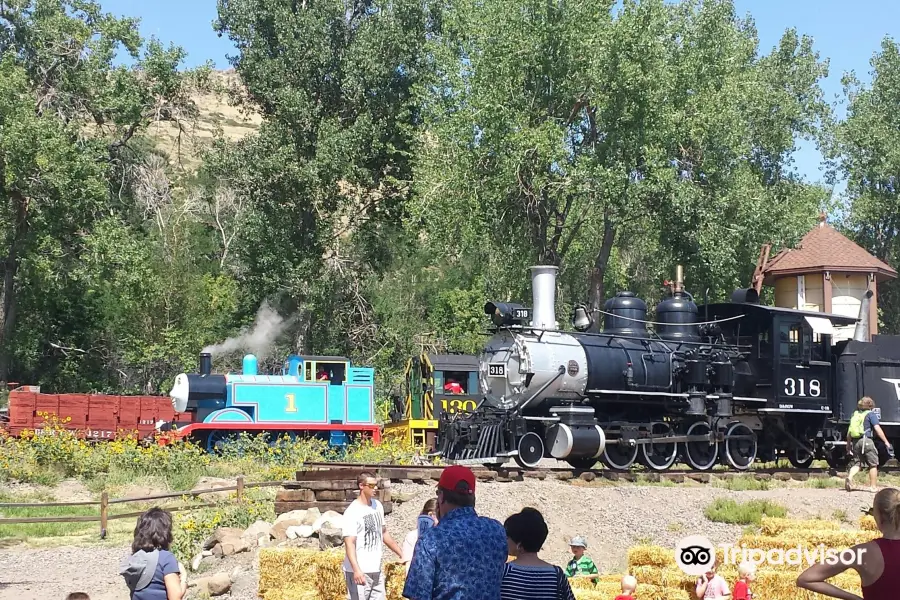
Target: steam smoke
{"points": [[259, 338]]}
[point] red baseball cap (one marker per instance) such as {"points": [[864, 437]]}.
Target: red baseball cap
{"points": [[457, 478]]}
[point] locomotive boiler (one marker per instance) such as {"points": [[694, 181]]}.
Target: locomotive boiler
{"points": [[731, 382]]}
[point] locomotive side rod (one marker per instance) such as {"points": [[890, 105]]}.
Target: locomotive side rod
{"points": [[675, 439]]}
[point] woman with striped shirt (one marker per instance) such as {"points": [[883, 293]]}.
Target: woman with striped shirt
{"points": [[528, 577]]}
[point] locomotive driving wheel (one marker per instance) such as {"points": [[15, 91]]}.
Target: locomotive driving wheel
{"points": [[740, 453], [619, 456], [800, 457], [531, 450], [702, 454], [659, 455]]}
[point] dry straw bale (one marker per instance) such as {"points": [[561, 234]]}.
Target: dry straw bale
{"points": [[288, 567], [329, 575], [291, 593], [773, 526], [395, 578], [608, 590], [657, 556], [674, 577], [780, 585], [867, 523], [583, 583], [808, 538]]}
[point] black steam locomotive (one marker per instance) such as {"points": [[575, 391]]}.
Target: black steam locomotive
{"points": [[732, 382]]}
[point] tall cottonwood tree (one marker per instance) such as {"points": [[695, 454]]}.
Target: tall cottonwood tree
{"points": [[552, 128], [67, 117], [326, 178], [865, 150]]}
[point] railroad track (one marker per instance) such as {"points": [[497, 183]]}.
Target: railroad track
{"points": [[421, 472]]}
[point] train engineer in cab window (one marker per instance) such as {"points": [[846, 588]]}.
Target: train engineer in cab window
{"points": [[453, 387]]}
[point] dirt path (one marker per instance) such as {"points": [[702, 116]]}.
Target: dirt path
{"points": [[612, 517]]}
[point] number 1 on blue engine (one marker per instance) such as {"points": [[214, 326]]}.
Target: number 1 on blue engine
{"points": [[291, 407]]}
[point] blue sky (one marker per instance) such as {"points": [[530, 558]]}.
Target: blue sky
{"points": [[845, 33]]}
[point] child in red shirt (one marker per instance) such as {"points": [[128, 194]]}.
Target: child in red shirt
{"points": [[629, 584], [746, 575]]}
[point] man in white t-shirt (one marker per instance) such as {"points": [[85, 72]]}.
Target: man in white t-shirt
{"points": [[365, 535]]}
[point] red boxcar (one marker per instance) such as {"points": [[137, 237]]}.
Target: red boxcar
{"points": [[96, 416]]}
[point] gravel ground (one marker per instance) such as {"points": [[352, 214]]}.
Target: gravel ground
{"points": [[612, 517]]}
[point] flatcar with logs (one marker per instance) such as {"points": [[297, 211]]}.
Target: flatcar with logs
{"points": [[733, 383]]}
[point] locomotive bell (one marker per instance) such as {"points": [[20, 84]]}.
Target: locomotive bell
{"points": [[581, 318]]}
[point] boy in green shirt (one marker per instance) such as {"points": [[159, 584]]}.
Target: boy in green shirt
{"points": [[580, 563]]}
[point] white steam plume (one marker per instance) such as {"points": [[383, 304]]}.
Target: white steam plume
{"points": [[259, 338]]}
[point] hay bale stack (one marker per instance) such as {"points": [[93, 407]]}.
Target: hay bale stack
{"points": [[330, 582], [395, 579], [773, 526], [291, 593], [583, 583], [281, 569], [656, 556], [808, 538], [867, 523]]}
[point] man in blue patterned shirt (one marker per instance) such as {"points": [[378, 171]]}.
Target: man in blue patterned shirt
{"points": [[462, 557]]}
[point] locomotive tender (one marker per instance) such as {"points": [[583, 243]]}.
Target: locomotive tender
{"points": [[729, 382]]}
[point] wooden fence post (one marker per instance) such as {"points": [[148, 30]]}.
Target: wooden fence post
{"points": [[240, 488], [104, 514]]}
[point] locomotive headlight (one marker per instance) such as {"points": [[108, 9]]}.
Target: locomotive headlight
{"points": [[506, 313]]}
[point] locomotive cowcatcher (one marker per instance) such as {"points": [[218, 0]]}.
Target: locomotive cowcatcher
{"points": [[730, 383]]}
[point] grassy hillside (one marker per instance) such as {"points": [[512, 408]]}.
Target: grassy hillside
{"points": [[217, 112]]}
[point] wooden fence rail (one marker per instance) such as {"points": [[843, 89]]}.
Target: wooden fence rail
{"points": [[104, 504]]}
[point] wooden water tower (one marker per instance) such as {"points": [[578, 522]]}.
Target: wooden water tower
{"points": [[825, 273]]}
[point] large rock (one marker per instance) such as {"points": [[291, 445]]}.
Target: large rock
{"points": [[330, 518], [257, 532], [330, 537], [216, 585], [299, 531], [220, 534], [293, 518], [234, 545]]}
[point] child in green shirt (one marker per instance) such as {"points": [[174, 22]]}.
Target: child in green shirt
{"points": [[580, 564]]}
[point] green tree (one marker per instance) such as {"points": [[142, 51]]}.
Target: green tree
{"points": [[326, 178], [69, 118], [865, 150], [572, 135]]}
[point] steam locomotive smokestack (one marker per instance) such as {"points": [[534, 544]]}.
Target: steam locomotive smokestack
{"points": [[205, 363], [543, 290], [861, 333]]}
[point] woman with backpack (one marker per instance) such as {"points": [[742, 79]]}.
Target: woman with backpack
{"points": [[152, 572], [864, 424]]}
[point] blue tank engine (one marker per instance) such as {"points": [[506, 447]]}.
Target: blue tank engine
{"points": [[323, 396]]}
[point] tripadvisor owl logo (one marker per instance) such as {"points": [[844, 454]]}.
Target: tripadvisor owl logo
{"points": [[695, 555]]}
